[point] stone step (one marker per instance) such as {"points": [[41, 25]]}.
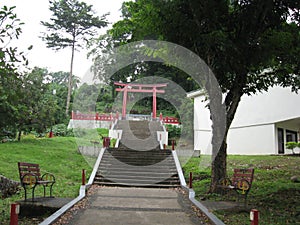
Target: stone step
{"points": [[149, 162], [138, 173], [133, 181], [109, 183], [138, 176], [157, 169], [138, 161]]}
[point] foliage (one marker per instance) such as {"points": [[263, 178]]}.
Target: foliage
{"points": [[186, 111], [10, 60], [174, 132], [249, 45], [86, 97], [8, 187], [39, 103], [72, 25], [61, 130], [27, 102], [292, 146]]}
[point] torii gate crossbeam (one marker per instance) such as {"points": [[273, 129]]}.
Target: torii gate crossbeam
{"points": [[139, 88]]}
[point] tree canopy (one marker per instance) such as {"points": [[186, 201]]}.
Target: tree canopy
{"points": [[72, 25], [250, 45], [10, 60]]}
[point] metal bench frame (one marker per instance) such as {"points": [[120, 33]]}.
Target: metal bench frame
{"points": [[240, 182], [30, 178]]}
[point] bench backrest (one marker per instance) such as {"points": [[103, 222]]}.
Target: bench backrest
{"points": [[29, 168], [246, 174]]}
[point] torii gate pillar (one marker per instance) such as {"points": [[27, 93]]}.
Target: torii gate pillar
{"points": [[141, 88]]}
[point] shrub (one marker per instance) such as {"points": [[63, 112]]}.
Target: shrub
{"points": [[8, 187], [292, 146], [61, 130], [173, 131]]}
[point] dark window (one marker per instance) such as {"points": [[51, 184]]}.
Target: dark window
{"points": [[280, 141], [291, 136]]}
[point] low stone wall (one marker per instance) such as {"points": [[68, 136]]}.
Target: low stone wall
{"points": [[89, 124], [89, 150], [8, 187]]}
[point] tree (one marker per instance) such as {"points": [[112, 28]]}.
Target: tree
{"points": [[36, 105], [250, 45], [72, 24], [10, 60]]}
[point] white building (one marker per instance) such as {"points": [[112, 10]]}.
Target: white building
{"points": [[262, 124]]}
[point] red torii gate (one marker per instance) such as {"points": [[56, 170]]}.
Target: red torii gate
{"points": [[141, 88]]}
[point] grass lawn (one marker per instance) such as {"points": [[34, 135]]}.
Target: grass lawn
{"points": [[57, 155], [272, 192]]}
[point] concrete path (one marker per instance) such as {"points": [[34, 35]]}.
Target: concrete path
{"points": [[140, 206]]}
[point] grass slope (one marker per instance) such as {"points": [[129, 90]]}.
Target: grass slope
{"points": [[56, 155], [272, 192]]}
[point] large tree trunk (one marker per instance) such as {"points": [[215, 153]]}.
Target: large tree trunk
{"points": [[220, 129], [70, 85]]}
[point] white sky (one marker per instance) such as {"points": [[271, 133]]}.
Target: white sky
{"points": [[31, 12]]}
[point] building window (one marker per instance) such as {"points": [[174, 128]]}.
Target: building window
{"points": [[291, 136]]}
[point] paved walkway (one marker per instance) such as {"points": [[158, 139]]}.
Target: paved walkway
{"points": [[147, 206]]}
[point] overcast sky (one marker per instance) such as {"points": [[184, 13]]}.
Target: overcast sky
{"points": [[31, 12]]}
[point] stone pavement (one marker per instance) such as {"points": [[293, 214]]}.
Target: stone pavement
{"points": [[221, 205], [118, 205]]}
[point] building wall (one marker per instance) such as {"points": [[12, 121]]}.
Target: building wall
{"points": [[252, 140], [253, 130], [278, 104]]}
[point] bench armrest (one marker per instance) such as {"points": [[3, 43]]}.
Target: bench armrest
{"points": [[48, 177], [29, 179]]}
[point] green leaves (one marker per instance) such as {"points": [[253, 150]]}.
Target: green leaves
{"points": [[72, 22]]}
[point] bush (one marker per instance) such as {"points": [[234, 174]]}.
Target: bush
{"points": [[61, 130], [8, 187], [7, 135], [292, 146], [173, 131]]}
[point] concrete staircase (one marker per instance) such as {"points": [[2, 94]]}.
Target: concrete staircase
{"points": [[138, 161]]}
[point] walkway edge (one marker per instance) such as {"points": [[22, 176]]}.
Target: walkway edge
{"points": [[213, 218], [178, 167], [191, 193], [82, 192]]}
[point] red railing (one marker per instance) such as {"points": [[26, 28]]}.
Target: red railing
{"points": [[97, 116], [112, 117], [170, 120]]}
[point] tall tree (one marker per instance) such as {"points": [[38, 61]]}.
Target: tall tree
{"points": [[250, 45], [72, 24]]}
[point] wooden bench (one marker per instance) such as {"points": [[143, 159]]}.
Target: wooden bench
{"points": [[30, 177], [240, 182]]}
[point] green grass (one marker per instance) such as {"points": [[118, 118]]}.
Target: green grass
{"points": [[57, 155], [272, 192]]}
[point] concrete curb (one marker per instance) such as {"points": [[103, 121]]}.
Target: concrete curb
{"points": [[200, 206], [82, 192], [178, 167], [191, 194]]}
